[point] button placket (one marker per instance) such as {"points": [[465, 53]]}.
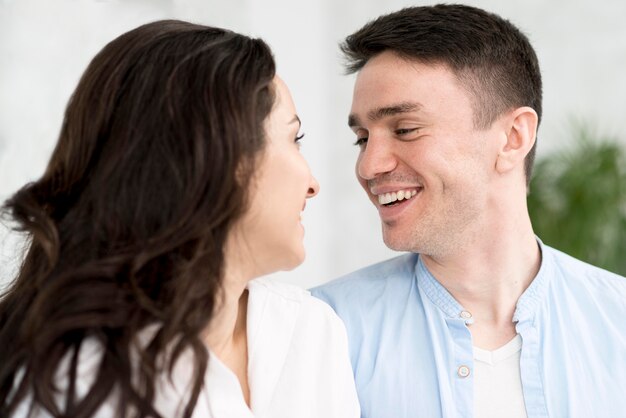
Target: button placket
{"points": [[463, 371], [467, 317]]}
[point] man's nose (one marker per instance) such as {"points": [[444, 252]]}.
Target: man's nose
{"points": [[376, 158]]}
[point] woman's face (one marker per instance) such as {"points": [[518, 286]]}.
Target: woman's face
{"points": [[270, 234]]}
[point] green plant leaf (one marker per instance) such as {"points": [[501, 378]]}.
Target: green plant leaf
{"points": [[577, 200]]}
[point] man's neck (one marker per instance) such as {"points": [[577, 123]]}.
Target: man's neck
{"points": [[487, 277]]}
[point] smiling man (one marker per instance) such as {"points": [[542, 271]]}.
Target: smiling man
{"points": [[480, 319]]}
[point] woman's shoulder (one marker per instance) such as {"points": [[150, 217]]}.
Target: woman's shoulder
{"points": [[282, 294], [267, 286], [274, 304], [293, 334]]}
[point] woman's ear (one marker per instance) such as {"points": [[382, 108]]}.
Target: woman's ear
{"points": [[522, 133]]}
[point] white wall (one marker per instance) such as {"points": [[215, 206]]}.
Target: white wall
{"points": [[45, 45]]}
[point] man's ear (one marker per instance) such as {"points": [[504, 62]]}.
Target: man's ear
{"points": [[522, 132]]}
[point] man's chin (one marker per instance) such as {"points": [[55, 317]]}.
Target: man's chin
{"points": [[395, 241]]}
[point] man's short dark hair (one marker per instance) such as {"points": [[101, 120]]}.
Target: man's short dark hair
{"points": [[488, 54]]}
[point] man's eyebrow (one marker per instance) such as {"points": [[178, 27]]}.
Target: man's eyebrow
{"points": [[382, 112], [353, 120]]}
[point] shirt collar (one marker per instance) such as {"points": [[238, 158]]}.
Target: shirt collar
{"points": [[526, 304], [436, 292]]}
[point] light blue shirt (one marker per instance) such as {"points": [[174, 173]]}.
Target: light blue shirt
{"points": [[411, 349]]}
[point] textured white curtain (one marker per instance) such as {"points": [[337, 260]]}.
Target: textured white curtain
{"points": [[45, 45]]}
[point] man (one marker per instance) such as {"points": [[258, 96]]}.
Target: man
{"points": [[480, 319]]}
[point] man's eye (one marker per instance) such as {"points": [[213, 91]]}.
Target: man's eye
{"points": [[405, 131], [360, 141]]}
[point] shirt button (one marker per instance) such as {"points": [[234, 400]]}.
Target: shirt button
{"points": [[466, 315], [463, 371]]}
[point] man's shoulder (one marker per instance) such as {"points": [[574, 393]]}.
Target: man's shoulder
{"points": [[369, 282], [587, 280], [575, 269]]}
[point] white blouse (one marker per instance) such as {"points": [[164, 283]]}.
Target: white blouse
{"points": [[298, 365]]}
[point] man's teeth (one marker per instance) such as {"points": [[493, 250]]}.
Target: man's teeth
{"points": [[387, 198]]}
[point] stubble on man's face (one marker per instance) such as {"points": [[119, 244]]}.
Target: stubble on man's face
{"points": [[443, 157]]}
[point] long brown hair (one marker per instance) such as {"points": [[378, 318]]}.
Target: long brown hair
{"points": [[127, 225]]}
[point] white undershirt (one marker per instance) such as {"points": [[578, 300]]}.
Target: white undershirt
{"points": [[497, 382]]}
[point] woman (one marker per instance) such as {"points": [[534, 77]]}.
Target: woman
{"points": [[176, 180]]}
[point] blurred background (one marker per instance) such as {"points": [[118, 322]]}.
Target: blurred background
{"points": [[45, 46]]}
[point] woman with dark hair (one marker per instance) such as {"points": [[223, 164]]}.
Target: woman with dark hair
{"points": [[176, 180]]}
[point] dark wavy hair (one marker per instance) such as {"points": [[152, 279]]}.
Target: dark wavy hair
{"points": [[491, 57], [128, 224]]}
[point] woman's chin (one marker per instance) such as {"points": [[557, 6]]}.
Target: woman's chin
{"points": [[292, 259], [285, 258]]}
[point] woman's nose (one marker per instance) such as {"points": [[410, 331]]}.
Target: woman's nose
{"points": [[314, 188]]}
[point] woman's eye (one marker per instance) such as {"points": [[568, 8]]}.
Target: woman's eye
{"points": [[297, 139]]}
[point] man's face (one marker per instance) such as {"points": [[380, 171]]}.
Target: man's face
{"points": [[421, 161]]}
